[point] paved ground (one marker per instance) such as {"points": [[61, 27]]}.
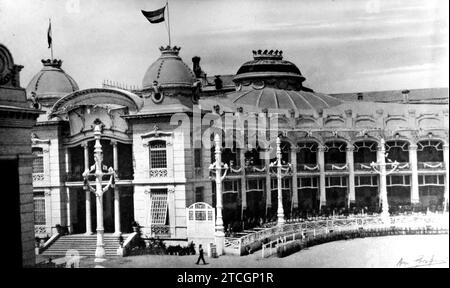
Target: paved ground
{"points": [[390, 251]]}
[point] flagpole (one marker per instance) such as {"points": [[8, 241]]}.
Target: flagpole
{"points": [[168, 20], [51, 43]]}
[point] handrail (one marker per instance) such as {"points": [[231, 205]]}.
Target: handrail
{"points": [[127, 242], [49, 242], [343, 224]]}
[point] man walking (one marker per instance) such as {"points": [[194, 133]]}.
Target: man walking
{"points": [[200, 256]]}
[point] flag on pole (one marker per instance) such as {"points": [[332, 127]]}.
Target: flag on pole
{"points": [[49, 34], [156, 16]]}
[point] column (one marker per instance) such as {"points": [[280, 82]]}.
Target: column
{"points": [[445, 154], [219, 233], [68, 218], [280, 208], [116, 191], [351, 176], [268, 186], [381, 161], [321, 161], [294, 179], [414, 174], [243, 180], [88, 194], [68, 208]]}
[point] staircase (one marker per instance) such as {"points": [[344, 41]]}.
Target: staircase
{"points": [[84, 244]]}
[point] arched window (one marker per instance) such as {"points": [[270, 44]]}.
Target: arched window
{"points": [[158, 154]]}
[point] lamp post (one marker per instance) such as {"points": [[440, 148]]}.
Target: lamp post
{"points": [[279, 165], [217, 167], [381, 165], [97, 171]]}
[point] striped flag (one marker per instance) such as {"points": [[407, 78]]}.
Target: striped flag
{"points": [[49, 34], [156, 16]]}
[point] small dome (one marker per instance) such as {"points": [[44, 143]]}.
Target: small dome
{"points": [[268, 64], [169, 71], [51, 82]]}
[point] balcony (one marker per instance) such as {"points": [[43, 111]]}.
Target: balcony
{"points": [[430, 166], [158, 173], [336, 167], [308, 168]]}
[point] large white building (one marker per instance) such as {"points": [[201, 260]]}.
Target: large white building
{"points": [[329, 142]]}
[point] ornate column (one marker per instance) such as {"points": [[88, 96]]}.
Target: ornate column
{"points": [[116, 191], [446, 160], [381, 161], [87, 193], [268, 185], [219, 234], [321, 161], [243, 180], [414, 174], [280, 209], [294, 151], [351, 176]]}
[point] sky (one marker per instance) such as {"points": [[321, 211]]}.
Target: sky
{"points": [[338, 45]]}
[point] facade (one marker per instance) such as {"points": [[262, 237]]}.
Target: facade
{"points": [[158, 140], [17, 119]]}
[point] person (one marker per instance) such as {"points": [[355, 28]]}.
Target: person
{"points": [[200, 256]]}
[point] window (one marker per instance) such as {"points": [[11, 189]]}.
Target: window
{"points": [[197, 157], [397, 180], [231, 186], [431, 180], [39, 208], [158, 207], [158, 155], [199, 194], [336, 181], [255, 185], [308, 182], [285, 183], [38, 161], [366, 181]]}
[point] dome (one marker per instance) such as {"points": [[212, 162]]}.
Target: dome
{"points": [[51, 82], [272, 98], [169, 71], [268, 64], [269, 82]]}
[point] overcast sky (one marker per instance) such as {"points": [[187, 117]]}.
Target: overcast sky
{"points": [[339, 45]]}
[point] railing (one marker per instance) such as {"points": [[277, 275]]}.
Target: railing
{"points": [[313, 228], [127, 244], [74, 177], [38, 177], [307, 167], [41, 230], [160, 231], [336, 167], [433, 166]]}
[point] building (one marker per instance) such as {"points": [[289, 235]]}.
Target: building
{"points": [[17, 119], [150, 137]]}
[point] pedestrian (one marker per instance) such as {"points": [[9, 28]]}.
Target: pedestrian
{"points": [[200, 256]]}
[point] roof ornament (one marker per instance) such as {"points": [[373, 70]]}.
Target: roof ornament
{"points": [[52, 63], [266, 54]]}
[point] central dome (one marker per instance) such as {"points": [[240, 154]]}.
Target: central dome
{"points": [[169, 71]]}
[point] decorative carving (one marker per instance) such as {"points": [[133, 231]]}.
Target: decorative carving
{"points": [[171, 189], [158, 173]]}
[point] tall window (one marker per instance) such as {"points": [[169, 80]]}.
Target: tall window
{"points": [[38, 161], [39, 208], [158, 157], [199, 194], [158, 207], [198, 157]]}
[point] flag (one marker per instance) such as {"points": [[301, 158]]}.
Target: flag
{"points": [[156, 16], [49, 35]]}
